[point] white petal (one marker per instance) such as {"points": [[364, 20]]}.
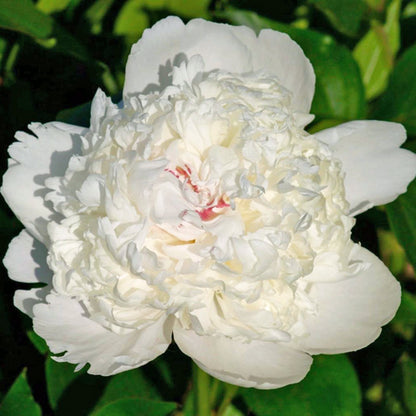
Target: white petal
{"points": [[264, 365], [25, 300], [33, 161], [25, 260], [225, 47], [351, 310], [377, 170], [278, 54], [65, 327], [169, 42]]}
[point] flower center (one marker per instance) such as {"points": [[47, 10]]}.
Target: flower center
{"points": [[208, 205]]}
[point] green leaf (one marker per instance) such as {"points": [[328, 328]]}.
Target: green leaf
{"points": [[22, 16], [402, 217], [339, 93], [410, 10], [19, 400], [344, 15], [392, 253], [79, 115], [38, 342], [58, 377], [398, 103], [134, 16], [130, 384], [133, 407], [405, 320], [96, 14], [401, 388], [232, 411], [66, 389], [330, 389], [376, 51], [52, 6]]}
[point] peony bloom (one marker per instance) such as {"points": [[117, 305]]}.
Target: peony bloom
{"points": [[200, 207]]}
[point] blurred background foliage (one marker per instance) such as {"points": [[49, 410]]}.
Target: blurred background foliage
{"points": [[54, 54]]}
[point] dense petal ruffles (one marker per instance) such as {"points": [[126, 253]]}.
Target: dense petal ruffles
{"points": [[225, 47], [263, 365], [376, 170], [62, 322], [33, 161], [351, 310]]}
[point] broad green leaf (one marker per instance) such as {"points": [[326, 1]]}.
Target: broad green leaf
{"points": [[52, 6], [66, 389], [402, 217], [64, 42], [130, 384], [398, 103], [19, 400], [405, 320], [339, 92], [58, 377], [330, 389], [134, 16], [132, 20], [376, 51], [134, 407], [345, 15], [22, 16]]}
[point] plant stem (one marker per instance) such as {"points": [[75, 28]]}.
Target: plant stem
{"points": [[229, 392], [201, 392]]}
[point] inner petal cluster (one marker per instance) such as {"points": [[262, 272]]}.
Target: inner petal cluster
{"points": [[207, 201]]}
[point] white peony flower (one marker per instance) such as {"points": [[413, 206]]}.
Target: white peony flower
{"points": [[201, 207]]}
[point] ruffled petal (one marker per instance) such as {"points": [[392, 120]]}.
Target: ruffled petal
{"points": [[33, 160], [264, 365], [225, 47], [351, 310], [25, 260], [65, 327], [376, 170]]}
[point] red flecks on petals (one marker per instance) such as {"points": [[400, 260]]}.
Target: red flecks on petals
{"points": [[209, 213], [185, 175]]}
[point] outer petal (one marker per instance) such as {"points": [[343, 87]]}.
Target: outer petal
{"points": [[25, 300], [376, 170], [64, 326], [230, 48], [33, 161], [277, 53], [264, 365], [351, 310], [25, 260]]}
